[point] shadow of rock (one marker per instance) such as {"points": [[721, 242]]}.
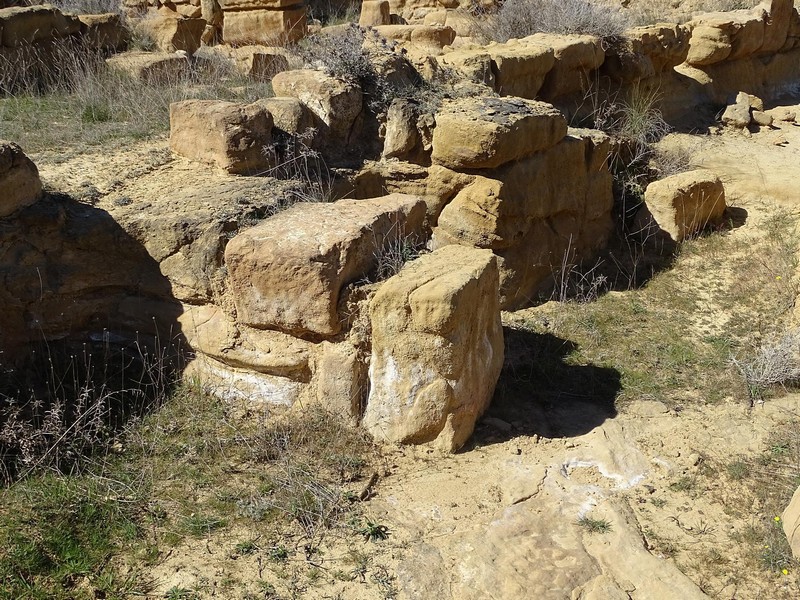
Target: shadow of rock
{"points": [[87, 317], [540, 392]]}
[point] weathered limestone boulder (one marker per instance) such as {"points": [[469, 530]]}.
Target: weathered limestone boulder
{"points": [[682, 205], [437, 349], [336, 104], [374, 13], [20, 185], [153, 67], [791, 523], [287, 273], [172, 33], [277, 26], [226, 134], [105, 32], [23, 25], [484, 133]]}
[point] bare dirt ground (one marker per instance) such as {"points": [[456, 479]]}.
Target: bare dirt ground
{"points": [[665, 514]]}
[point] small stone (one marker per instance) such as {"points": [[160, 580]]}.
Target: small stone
{"points": [[694, 459], [762, 118]]}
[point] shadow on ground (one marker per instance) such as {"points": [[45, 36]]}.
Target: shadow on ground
{"points": [[540, 392], [89, 333]]}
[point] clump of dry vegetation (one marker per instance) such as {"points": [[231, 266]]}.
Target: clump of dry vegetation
{"points": [[520, 18]]}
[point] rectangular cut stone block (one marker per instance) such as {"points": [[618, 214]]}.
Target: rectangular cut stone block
{"points": [[264, 26], [287, 272], [227, 134], [437, 348]]}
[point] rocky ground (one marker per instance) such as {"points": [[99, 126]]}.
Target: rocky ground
{"points": [[564, 494]]}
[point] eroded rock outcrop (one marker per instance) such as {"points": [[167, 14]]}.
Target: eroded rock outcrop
{"points": [[437, 348]]}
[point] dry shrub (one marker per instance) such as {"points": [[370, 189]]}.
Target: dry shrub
{"points": [[775, 362], [521, 18]]}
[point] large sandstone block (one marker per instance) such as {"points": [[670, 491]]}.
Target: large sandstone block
{"points": [[289, 115], [336, 103], [152, 67], [534, 211], [227, 134], [29, 24], [475, 64], [576, 56], [259, 62], [437, 349], [20, 185], [521, 67], [646, 51], [264, 26], [234, 5], [682, 205], [171, 33], [484, 133], [374, 12], [725, 36], [287, 273]]}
